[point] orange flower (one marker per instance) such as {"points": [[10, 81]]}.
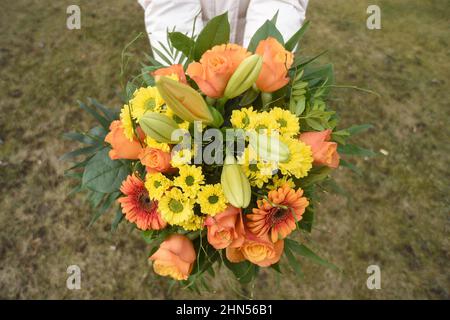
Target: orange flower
{"points": [[155, 160], [137, 206], [324, 152], [175, 257], [176, 69], [276, 63], [258, 250], [226, 229], [278, 214], [216, 67], [122, 148]]}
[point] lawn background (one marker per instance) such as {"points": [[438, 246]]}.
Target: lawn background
{"points": [[397, 212]]}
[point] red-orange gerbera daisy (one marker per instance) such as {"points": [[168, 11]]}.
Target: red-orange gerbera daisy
{"points": [[137, 206], [278, 214]]}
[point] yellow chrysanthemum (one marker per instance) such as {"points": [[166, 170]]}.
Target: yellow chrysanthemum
{"points": [[145, 99], [175, 206], [211, 199], [152, 143], [278, 182], [194, 223], [189, 180], [127, 122], [243, 118], [181, 157], [264, 123], [156, 185], [288, 124], [300, 158]]}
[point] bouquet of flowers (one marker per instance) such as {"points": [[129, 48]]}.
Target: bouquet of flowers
{"points": [[217, 159]]}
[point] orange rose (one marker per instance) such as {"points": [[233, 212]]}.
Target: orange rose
{"points": [[175, 257], [226, 229], [258, 250], [122, 148], [324, 152], [276, 63], [176, 69], [216, 67], [155, 160], [262, 251]]}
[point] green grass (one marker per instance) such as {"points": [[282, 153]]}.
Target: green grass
{"points": [[396, 214]]}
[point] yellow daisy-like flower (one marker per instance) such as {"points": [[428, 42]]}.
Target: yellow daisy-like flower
{"points": [[194, 223], [264, 123], [152, 143], [189, 180], [288, 124], [211, 199], [300, 158], [175, 206], [156, 185], [145, 99], [243, 118], [181, 157], [127, 122], [278, 182]]}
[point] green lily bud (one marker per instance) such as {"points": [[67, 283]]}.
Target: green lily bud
{"points": [[269, 148], [235, 184], [158, 126], [184, 101], [245, 75]]}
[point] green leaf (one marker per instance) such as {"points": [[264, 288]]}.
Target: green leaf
{"points": [[216, 31], [307, 219], [314, 124], [276, 267], [103, 174], [110, 114], [353, 150], [105, 206], [298, 106], [101, 119], [304, 251], [243, 271], [268, 29], [79, 152], [117, 219], [182, 42], [319, 75], [295, 39], [316, 174], [351, 166], [359, 128], [249, 97], [292, 261]]}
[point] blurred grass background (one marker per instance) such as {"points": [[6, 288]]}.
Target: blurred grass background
{"points": [[397, 212]]}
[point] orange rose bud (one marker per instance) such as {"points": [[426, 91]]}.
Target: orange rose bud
{"points": [[155, 160], [226, 229], [261, 251], [175, 69], [216, 67], [276, 63], [122, 148], [324, 151], [175, 257]]}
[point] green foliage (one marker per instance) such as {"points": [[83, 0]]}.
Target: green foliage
{"points": [[268, 29], [295, 39], [183, 43], [244, 271], [216, 31], [304, 251]]}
